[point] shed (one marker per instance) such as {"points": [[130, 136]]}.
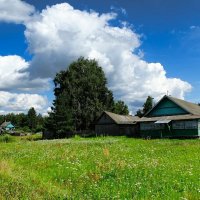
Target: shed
{"points": [[171, 117], [113, 124]]}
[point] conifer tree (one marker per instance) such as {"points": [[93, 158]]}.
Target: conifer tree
{"points": [[32, 119], [148, 105]]}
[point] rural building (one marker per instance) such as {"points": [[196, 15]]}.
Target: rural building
{"points": [[113, 124], [171, 117], [8, 126]]}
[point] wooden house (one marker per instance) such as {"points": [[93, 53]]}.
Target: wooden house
{"points": [[113, 124], [171, 117], [8, 126]]}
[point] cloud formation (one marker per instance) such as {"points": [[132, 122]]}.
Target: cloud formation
{"points": [[60, 34], [15, 11], [14, 77], [21, 102]]}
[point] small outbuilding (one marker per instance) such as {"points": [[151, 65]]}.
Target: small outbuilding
{"points": [[171, 117], [113, 124]]}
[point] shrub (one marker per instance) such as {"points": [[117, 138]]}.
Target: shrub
{"points": [[6, 138], [32, 137], [38, 129], [26, 129]]}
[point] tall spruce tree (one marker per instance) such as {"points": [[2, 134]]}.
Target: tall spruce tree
{"points": [[81, 94], [32, 119], [148, 105]]}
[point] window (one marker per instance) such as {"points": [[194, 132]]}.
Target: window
{"points": [[192, 124], [151, 126], [178, 125]]}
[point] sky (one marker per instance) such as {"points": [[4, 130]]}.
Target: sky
{"points": [[145, 47]]}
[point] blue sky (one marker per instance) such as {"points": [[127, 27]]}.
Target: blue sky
{"points": [[165, 33]]}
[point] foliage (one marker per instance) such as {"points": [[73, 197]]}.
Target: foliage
{"points": [[100, 168], [26, 129], [139, 113], [120, 108], [81, 95], [25, 122], [32, 137], [147, 106], [31, 118], [6, 138]]}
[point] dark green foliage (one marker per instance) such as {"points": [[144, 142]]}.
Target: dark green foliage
{"points": [[24, 122], [21, 120], [25, 129], [120, 108], [147, 106], [81, 95], [6, 138], [32, 119], [139, 113]]}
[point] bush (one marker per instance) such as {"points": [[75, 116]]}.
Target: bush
{"points": [[26, 129], [38, 129], [32, 137], [6, 138]]}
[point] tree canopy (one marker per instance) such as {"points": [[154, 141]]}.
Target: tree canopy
{"points": [[32, 118], [25, 121], [120, 108], [147, 106], [81, 94]]}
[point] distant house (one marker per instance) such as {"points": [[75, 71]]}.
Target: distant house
{"points": [[113, 124], [8, 126], [171, 117]]}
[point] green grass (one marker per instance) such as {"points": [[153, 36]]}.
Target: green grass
{"points": [[100, 168], [5, 138]]}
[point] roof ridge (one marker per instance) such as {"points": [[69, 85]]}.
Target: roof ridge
{"points": [[190, 107], [121, 118]]}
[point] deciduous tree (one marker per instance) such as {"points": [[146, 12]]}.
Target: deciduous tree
{"points": [[81, 94], [120, 108]]}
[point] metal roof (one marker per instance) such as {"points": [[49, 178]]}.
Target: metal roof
{"points": [[172, 117], [189, 107], [162, 121], [122, 119], [192, 109], [5, 124]]}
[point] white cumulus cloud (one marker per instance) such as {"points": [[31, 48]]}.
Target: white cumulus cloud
{"points": [[21, 102], [14, 77], [16, 11], [61, 34]]}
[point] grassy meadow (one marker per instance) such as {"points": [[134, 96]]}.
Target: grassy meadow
{"points": [[99, 168]]}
